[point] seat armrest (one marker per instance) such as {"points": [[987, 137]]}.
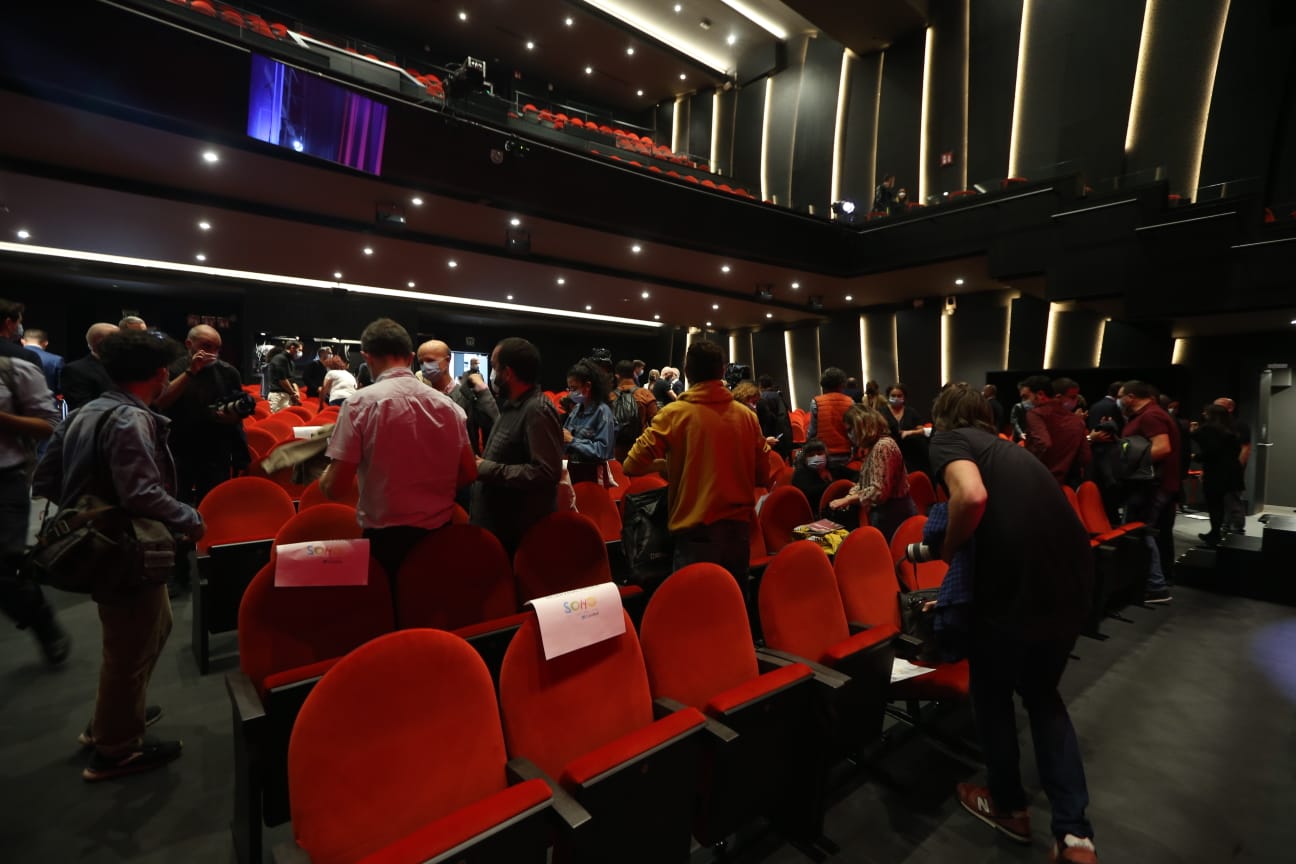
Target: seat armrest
{"points": [[857, 627], [825, 675], [908, 647], [290, 853], [664, 706], [568, 809], [243, 694]]}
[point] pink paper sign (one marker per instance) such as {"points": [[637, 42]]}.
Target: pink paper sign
{"points": [[322, 564], [578, 618]]}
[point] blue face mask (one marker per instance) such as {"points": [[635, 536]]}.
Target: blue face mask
{"points": [[577, 397], [896, 400], [816, 462], [431, 369]]}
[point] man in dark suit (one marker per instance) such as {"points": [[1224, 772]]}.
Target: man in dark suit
{"points": [[38, 342], [86, 379]]}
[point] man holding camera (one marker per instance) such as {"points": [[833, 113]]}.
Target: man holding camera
{"points": [[1030, 591], [205, 401]]}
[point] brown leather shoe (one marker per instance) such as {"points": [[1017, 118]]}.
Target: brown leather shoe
{"points": [[977, 801], [1074, 850]]}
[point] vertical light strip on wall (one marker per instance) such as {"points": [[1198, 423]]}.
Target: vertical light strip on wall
{"points": [[1179, 353], [877, 116], [1194, 164], [895, 345], [1050, 338], [1008, 312], [924, 160], [1140, 75], [715, 132], [765, 132], [864, 350], [967, 86], [1098, 343], [733, 348], [839, 127], [676, 144], [1023, 39], [946, 323], [791, 382]]}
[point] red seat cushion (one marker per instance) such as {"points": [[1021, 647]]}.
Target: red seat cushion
{"points": [[584, 768], [776, 679], [949, 681]]}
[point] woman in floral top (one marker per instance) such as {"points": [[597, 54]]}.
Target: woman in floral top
{"points": [[883, 486]]}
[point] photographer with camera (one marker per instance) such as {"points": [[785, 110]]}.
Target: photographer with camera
{"points": [[1031, 584], [206, 403]]}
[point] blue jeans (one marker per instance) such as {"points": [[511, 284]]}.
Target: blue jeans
{"points": [[1155, 508], [726, 542], [998, 666]]}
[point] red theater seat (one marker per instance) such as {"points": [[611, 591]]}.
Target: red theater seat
{"points": [[914, 576], [835, 490], [921, 491], [202, 7], [593, 500], [326, 521], [784, 509]]}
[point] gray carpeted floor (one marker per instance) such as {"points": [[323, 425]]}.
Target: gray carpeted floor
{"points": [[1187, 730]]}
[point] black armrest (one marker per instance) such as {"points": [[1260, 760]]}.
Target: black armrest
{"points": [[290, 853], [908, 647], [823, 674], [245, 698], [565, 806], [857, 627], [664, 706]]}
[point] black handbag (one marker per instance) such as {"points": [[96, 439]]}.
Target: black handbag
{"points": [[94, 547], [919, 624], [645, 535]]}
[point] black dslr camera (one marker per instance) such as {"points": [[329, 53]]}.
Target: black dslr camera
{"points": [[234, 407]]}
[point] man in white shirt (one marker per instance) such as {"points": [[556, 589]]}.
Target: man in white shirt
{"points": [[405, 443]]}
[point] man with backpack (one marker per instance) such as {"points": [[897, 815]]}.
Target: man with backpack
{"points": [[1152, 501], [633, 408]]}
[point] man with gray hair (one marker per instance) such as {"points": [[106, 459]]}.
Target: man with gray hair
{"points": [[86, 379], [132, 322]]}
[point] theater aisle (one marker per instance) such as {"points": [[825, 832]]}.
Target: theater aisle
{"points": [[1187, 740]]}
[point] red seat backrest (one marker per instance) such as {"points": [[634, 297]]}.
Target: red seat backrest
{"points": [[313, 496], [260, 441], [432, 744], [555, 710], [1074, 500], [646, 483], [835, 490], [593, 500], [244, 508], [866, 579], [1092, 512], [562, 552], [456, 576], [697, 615], [280, 629], [800, 609], [922, 491], [327, 521], [301, 411], [914, 576], [278, 426], [784, 509]]}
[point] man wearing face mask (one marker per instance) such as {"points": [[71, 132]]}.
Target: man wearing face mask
{"points": [[129, 448], [1055, 434], [518, 473], [471, 394]]}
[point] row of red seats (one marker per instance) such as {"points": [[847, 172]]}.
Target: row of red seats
{"points": [[642, 144]]}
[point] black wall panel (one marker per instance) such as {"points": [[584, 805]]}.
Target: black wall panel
{"points": [[701, 114], [1126, 345], [900, 117], [839, 343], [682, 115], [1075, 338], [724, 122], [805, 364], [749, 117], [1029, 325], [662, 117], [918, 332], [978, 329], [741, 348], [816, 117], [782, 128], [880, 348], [992, 75], [947, 120], [769, 357], [859, 153]]}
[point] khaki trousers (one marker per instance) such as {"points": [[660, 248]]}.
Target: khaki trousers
{"points": [[134, 631]]}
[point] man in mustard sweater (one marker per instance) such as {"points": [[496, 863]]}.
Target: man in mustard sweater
{"points": [[715, 457]]}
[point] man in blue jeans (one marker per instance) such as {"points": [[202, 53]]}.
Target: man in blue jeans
{"points": [[1031, 586], [1152, 502]]}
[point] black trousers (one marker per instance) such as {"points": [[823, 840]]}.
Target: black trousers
{"points": [[20, 598]]}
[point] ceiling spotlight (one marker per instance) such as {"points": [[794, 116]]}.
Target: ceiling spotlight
{"points": [[368, 250], [715, 305], [769, 314], [200, 257], [568, 22], [204, 226], [638, 92], [679, 7], [463, 16], [416, 201], [530, 45], [958, 281], [708, 324], [724, 268], [630, 51], [658, 318], [337, 274], [796, 285], [683, 76], [452, 263], [645, 295], [731, 40], [562, 281], [410, 283], [849, 298], [508, 297], [636, 248], [515, 222], [23, 234], [589, 308], [211, 157], [589, 70]]}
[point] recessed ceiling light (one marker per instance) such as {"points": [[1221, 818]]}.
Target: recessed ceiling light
{"points": [[796, 285], [589, 308], [204, 226], [715, 305], [1294, 321], [530, 45], [410, 283], [211, 157], [683, 76], [508, 297], [679, 7], [638, 92], [769, 314], [568, 22], [645, 295], [958, 281], [368, 250], [463, 16], [562, 281], [849, 298], [337, 274], [515, 221], [708, 324], [416, 201], [658, 318], [452, 263], [636, 248], [724, 268], [23, 233], [589, 70], [630, 51], [731, 40], [200, 257]]}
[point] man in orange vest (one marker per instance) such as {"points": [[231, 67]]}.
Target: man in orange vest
{"points": [[827, 412]]}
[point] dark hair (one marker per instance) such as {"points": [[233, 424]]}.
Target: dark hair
{"points": [[10, 310], [130, 356], [1113, 389], [520, 356], [625, 368], [288, 346], [960, 406], [832, 379], [1139, 389], [809, 448], [637, 362], [1062, 385], [904, 391], [1036, 383], [1218, 415], [386, 338], [587, 371], [765, 382], [871, 387], [704, 361]]}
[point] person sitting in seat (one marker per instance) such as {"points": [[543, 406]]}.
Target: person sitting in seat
{"points": [[811, 474]]}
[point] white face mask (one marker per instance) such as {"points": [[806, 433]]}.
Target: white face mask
{"points": [[431, 368], [816, 461]]}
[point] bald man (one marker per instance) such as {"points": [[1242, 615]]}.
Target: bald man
{"points": [[206, 440], [472, 395], [132, 322], [86, 379]]}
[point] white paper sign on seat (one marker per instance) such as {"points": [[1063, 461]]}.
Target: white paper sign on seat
{"points": [[574, 619], [322, 564]]}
